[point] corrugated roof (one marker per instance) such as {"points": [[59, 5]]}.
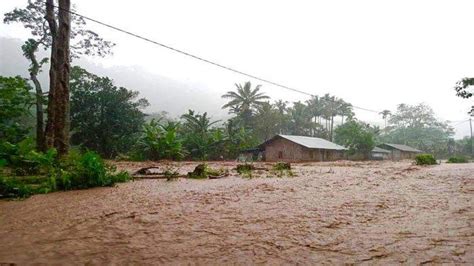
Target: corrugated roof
{"points": [[402, 147], [313, 143], [380, 150]]}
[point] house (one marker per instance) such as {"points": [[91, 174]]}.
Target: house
{"points": [[399, 151], [291, 148], [380, 154]]}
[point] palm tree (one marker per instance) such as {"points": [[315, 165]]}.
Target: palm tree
{"points": [[385, 114], [314, 108], [245, 100], [345, 110], [196, 123], [300, 119], [282, 108]]}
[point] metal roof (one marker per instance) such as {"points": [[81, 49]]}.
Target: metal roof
{"points": [[380, 150], [402, 147], [312, 143]]}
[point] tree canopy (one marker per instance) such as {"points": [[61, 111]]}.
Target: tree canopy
{"points": [[104, 117], [417, 126]]}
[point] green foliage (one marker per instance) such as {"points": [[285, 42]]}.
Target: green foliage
{"points": [[74, 171], [245, 169], [199, 138], [159, 142], [458, 159], [281, 166], [24, 160], [85, 171], [104, 118], [280, 169], [417, 126], [83, 40], [356, 136], [12, 188], [425, 159], [244, 101], [15, 102]]}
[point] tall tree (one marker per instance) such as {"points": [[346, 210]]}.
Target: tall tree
{"points": [[15, 100], [300, 119], [282, 107], [358, 137], [385, 114], [84, 42], [267, 121], [417, 126], [104, 117], [244, 101], [200, 140], [57, 127]]}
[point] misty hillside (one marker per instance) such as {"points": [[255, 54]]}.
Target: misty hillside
{"points": [[163, 93]]}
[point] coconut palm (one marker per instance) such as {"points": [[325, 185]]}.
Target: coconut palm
{"points": [[245, 100], [197, 123]]}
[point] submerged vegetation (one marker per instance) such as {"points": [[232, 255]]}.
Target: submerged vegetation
{"points": [[425, 159], [100, 119], [28, 172], [458, 159], [204, 171]]}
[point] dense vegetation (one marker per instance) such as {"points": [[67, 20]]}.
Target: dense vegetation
{"points": [[425, 159], [100, 119], [458, 159]]}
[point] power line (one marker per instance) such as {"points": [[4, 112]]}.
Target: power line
{"points": [[461, 122], [200, 58]]}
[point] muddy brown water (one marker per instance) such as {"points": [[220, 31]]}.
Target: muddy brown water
{"points": [[343, 212]]}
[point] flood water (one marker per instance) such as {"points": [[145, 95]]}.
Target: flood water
{"points": [[344, 212]]}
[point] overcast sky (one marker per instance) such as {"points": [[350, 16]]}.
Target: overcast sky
{"points": [[374, 54]]}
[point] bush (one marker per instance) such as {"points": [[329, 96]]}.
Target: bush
{"points": [[458, 159], [75, 171], [13, 188], [281, 169], [425, 159], [279, 166], [85, 171]]}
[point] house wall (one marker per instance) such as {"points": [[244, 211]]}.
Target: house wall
{"points": [[398, 154], [288, 150], [292, 152]]}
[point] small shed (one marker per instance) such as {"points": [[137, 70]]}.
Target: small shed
{"points": [[380, 154], [400, 151], [290, 148]]}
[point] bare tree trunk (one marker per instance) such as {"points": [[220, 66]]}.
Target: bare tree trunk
{"points": [[57, 127], [49, 130], [332, 127], [61, 134]]}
